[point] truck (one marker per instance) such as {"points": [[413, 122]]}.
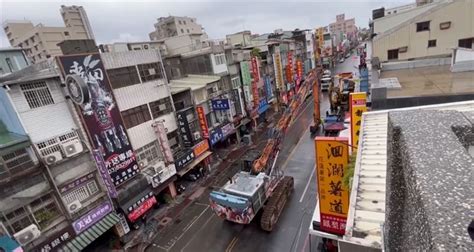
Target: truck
{"points": [[261, 185]]}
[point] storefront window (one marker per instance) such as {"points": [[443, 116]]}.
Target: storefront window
{"points": [[149, 152]]}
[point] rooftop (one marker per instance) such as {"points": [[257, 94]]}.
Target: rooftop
{"points": [[194, 81], [435, 187], [429, 81]]}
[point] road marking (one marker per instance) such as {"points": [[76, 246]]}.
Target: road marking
{"points": [[187, 228], [231, 244], [205, 224], [201, 204], [307, 184]]}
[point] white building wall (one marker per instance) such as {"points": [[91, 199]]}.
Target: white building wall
{"points": [[221, 68], [44, 122], [143, 134], [135, 95], [129, 58]]}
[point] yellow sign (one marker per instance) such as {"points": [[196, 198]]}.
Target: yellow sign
{"points": [[278, 70], [357, 107], [332, 155]]}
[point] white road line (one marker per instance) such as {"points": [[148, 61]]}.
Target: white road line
{"points": [[190, 240], [307, 184], [187, 228], [201, 204]]}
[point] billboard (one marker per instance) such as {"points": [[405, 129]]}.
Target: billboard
{"points": [[184, 129], [268, 86], [201, 147], [202, 121], [92, 217], [332, 154], [220, 104], [89, 88], [160, 132], [215, 135], [357, 107], [245, 71]]}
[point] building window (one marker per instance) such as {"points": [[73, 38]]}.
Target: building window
{"points": [[66, 33], [173, 140], [182, 31], [124, 76], [445, 25], [235, 82], [187, 30], [184, 22], [393, 54], [9, 64], [42, 211], [179, 21], [161, 107], [36, 47], [432, 43], [37, 94], [220, 59], [150, 71], [423, 26], [32, 39], [16, 161], [149, 152], [466, 43], [135, 116]]}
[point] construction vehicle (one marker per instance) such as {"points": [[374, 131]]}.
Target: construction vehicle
{"points": [[339, 91], [261, 184]]}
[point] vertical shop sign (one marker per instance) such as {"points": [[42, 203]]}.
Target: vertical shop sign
{"points": [[122, 228], [202, 121], [268, 87], [256, 78], [245, 71], [357, 107], [290, 67], [184, 129], [332, 156], [90, 89], [160, 132], [255, 70], [278, 70], [104, 173]]}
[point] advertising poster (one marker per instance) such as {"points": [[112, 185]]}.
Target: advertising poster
{"points": [[200, 148], [89, 88], [278, 70], [184, 129], [92, 217], [357, 107], [202, 121], [332, 155]]}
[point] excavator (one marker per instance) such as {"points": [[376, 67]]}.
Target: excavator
{"points": [[261, 184]]}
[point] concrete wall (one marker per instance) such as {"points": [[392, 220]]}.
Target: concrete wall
{"points": [[129, 58], [396, 65], [459, 13], [462, 60]]}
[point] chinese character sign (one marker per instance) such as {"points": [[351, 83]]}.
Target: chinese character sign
{"points": [[268, 87], [220, 104], [160, 132], [245, 71], [255, 70], [90, 89], [184, 130], [92, 217], [202, 121], [357, 107], [331, 161], [278, 70], [290, 67]]}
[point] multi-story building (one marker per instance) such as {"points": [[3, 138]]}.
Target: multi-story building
{"points": [[61, 208], [173, 26], [240, 39], [11, 60], [40, 42], [146, 106], [343, 26], [427, 31]]}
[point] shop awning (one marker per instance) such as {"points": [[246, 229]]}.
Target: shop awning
{"points": [[194, 163], [87, 237]]}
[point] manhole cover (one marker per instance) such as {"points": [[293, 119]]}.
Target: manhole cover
{"points": [[165, 221]]}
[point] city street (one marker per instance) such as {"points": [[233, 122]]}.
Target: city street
{"points": [[199, 229]]}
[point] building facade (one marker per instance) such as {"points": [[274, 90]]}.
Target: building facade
{"points": [[342, 25], [12, 60], [432, 33], [173, 26], [40, 42]]}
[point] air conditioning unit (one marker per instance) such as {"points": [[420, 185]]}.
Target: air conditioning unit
{"points": [[52, 158], [196, 136], [72, 148], [146, 47], [27, 234], [158, 169], [74, 206], [143, 163]]}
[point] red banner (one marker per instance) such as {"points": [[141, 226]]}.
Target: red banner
{"points": [[143, 208], [202, 121], [290, 66], [255, 70]]}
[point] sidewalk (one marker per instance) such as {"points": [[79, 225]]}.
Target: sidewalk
{"points": [[222, 159]]}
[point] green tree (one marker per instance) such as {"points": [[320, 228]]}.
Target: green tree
{"points": [[349, 172], [255, 52]]}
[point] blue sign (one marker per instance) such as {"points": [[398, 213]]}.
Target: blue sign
{"points": [[220, 104], [268, 86], [215, 135], [262, 106]]}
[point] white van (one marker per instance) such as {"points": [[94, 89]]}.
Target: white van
{"points": [[325, 83]]}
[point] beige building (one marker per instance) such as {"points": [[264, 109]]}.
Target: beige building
{"points": [[173, 26], [342, 25], [432, 32], [40, 42]]}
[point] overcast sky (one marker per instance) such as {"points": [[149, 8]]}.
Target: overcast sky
{"points": [[114, 21]]}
